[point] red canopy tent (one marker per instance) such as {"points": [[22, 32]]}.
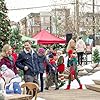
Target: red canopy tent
{"points": [[45, 37]]}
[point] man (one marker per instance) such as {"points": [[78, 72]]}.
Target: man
{"points": [[28, 62]]}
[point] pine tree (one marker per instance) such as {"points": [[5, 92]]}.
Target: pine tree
{"points": [[96, 56], [4, 24], [15, 39]]}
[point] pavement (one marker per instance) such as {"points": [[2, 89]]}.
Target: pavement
{"points": [[73, 94]]}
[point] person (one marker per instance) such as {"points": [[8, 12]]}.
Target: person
{"points": [[42, 61], [89, 44], [89, 40], [52, 75], [73, 71], [61, 69], [71, 44], [14, 54], [28, 62], [80, 49], [7, 58]]}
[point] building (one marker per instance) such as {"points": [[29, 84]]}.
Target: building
{"points": [[14, 24], [57, 21], [46, 21], [33, 23], [60, 21], [86, 22], [30, 24], [23, 26]]}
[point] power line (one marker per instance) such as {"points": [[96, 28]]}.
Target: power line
{"points": [[37, 7], [51, 6]]}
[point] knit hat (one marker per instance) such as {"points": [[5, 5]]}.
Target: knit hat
{"points": [[41, 50]]}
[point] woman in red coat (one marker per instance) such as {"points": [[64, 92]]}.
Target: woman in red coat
{"points": [[7, 58]]}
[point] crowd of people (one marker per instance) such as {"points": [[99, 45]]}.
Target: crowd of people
{"points": [[35, 63]]}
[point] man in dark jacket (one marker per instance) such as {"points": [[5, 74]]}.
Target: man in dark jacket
{"points": [[28, 62]]}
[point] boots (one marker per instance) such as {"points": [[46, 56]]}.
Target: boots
{"points": [[80, 86], [68, 87]]}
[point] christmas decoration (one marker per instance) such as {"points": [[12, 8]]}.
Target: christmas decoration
{"points": [[4, 24], [96, 56]]}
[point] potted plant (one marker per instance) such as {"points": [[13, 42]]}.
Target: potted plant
{"points": [[96, 56]]}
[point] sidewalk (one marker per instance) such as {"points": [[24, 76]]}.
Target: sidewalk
{"points": [[73, 94]]}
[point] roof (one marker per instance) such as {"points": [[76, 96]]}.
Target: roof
{"points": [[44, 37]]}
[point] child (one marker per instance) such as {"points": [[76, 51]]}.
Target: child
{"points": [[60, 69], [52, 75], [72, 64]]}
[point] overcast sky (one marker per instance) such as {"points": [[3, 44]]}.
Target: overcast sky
{"points": [[16, 15]]}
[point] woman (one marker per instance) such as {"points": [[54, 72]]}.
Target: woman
{"points": [[42, 60], [7, 58], [73, 71], [71, 44]]}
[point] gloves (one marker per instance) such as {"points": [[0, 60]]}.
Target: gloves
{"points": [[53, 68]]}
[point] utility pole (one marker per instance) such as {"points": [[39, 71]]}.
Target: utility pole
{"points": [[56, 20], [93, 23], [50, 25], [66, 21], [74, 16], [77, 17], [25, 26]]}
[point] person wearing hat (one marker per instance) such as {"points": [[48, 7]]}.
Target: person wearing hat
{"points": [[73, 72], [52, 75], [42, 61], [61, 69]]}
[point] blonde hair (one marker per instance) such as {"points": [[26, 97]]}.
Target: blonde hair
{"points": [[5, 49], [0, 55]]}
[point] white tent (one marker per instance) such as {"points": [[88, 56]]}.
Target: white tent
{"points": [[24, 38]]}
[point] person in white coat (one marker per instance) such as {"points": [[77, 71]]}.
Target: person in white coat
{"points": [[80, 49]]}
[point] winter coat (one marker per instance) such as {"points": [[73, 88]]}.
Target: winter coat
{"points": [[80, 46], [30, 60], [53, 68], [72, 63], [9, 63], [60, 64], [41, 62]]}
